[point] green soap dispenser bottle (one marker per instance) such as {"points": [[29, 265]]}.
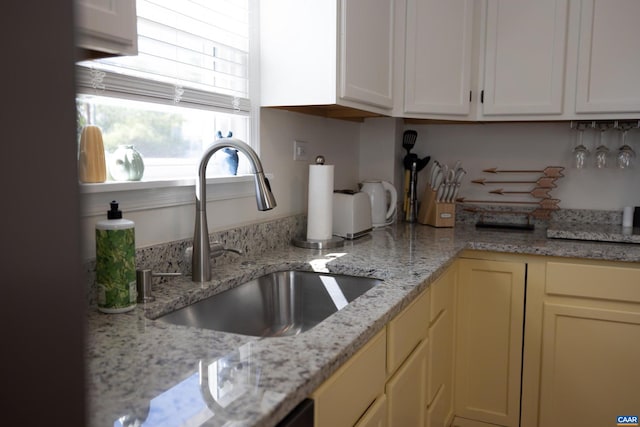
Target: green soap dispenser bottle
{"points": [[116, 262]]}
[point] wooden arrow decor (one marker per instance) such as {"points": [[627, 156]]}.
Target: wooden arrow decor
{"points": [[538, 192], [551, 171], [542, 189], [545, 182], [551, 204], [489, 202]]}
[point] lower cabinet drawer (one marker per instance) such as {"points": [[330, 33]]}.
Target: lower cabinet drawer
{"points": [[376, 415], [608, 282], [344, 398], [439, 412], [407, 329], [406, 389], [443, 293]]}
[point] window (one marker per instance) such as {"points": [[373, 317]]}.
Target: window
{"points": [[189, 82]]}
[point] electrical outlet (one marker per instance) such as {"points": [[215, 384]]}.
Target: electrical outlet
{"points": [[300, 150]]}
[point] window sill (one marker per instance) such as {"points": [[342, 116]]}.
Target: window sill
{"points": [[143, 195]]}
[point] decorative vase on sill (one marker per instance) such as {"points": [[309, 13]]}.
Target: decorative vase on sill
{"points": [[230, 161], [126, 164], [92, 166]]}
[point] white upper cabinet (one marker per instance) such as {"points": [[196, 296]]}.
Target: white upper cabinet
{"points": [[319, 53], [524, 57], [438, 56], [489, 60], [609, 57], [366, 51], [107, 27]]}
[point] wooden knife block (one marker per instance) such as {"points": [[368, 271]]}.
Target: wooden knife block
{"points": [[434, 213]]}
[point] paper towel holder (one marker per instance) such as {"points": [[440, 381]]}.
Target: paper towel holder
{"points": [[303, 242], [334, 242]]}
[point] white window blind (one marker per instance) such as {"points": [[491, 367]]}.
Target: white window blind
{"points": [[191, 52]]}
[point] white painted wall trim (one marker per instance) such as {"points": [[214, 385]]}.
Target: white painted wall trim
{"points": [[140, 196]]}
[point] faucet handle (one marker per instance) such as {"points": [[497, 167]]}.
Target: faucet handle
{"points": [[143, 283], [217, 249]]}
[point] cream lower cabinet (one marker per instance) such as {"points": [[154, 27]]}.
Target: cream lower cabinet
{"points": [[421, 358], [404, 376], [347, 395], [576, 362], [406, 390], [590, 360], [376, 415], [490, 316], [408, 350], [441, 357]]}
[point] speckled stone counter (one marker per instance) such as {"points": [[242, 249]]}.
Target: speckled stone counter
{"points": [[594, 232], [141, 369]]}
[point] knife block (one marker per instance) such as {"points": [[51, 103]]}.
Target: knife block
{"points": [[436, 214]]}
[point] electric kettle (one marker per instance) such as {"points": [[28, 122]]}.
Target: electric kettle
{"points": [[384, 200]]}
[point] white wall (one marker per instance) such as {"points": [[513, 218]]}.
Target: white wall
{"points": [[531, 146], [374, 150], [379, 153], [336, 140]]}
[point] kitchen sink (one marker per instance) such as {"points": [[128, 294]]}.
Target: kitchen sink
{"points": [[274, 305]]}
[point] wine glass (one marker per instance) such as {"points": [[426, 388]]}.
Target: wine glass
{"points": [[625, 152], [580, 151], [602, 151]]}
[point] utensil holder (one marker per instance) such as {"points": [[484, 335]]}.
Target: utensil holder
{"points": [[436, 214]]}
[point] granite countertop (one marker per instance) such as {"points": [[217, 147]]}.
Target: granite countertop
{"points": [[594, 232], [138, 368]]}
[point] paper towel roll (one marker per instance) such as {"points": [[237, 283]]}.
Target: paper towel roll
{"points": [[320, 202]]}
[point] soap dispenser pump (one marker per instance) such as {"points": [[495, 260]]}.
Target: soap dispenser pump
{"points": [[116, 262]]}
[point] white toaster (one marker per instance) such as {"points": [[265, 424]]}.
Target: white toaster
{"points": [[351, 214]]}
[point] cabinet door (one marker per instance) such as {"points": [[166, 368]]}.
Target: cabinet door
{"points": [[376, 415], [608, 60], [107, 26], [524, 59], [490, 316], [407, 329], [590, 362], [366, 52], [345, 396], [441, 357], [441, 346], [439, 412], [438, 56], [406, 390]]}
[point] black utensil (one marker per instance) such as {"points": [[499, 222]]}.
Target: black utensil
{"points": [[420, 163], [409, 140], [423, 162]]}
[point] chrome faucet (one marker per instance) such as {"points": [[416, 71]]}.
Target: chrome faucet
{"points": [[201, 256]]}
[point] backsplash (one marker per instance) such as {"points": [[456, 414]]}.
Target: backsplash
{"points": [[507, 215], [251, 239], [257, 238], [530, 146]]}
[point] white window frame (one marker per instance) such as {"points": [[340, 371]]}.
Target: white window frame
{"points": [[144, 195]]}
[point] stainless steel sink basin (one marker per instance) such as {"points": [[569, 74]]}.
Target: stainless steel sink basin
{"points": [[273, 305]]}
